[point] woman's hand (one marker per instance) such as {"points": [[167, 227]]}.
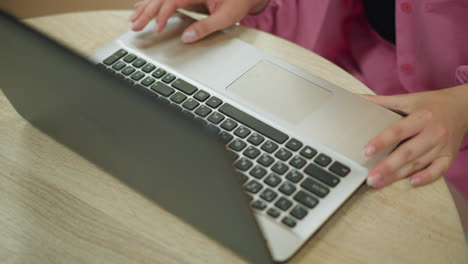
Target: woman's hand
{"points": [[223, 14], [430, 136]]}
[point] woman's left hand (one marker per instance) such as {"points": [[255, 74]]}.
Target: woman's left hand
{"points": [[430, 136]]}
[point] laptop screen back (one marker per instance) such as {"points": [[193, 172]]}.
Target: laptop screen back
{"points": [[128, 133]]}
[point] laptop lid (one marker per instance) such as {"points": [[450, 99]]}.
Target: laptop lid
{"points": [[129, 133]]}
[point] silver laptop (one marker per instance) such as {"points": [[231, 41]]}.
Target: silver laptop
{"points": [[297, 139]]}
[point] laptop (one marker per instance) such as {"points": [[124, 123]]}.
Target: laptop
{"points": [[254, 152]]}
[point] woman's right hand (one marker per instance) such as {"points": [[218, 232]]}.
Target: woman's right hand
{"points": [[223, 14]]}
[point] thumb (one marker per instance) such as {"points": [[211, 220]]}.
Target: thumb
{"points": [[218, 20], [397, 103]]}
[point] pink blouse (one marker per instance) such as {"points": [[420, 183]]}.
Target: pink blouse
{"points": [[431, 50]]}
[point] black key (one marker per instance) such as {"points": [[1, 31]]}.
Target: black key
{"points": [[158, 73], [101, 66], [138, 63], [253, 123], [243, 164], [266, 160], [201, 95], [242, 132], [229, 124], [242, 177], [259, 205], [294, 176], [129, 58], [308, 152], [294, 144], [216, 118], [213, 129], [299, 212], [188, 114], [268, 195], [148, 81], [148, 68], [225, 137], [306, 199], [258, 172], [288, 221], [273, 180], [118, 65], [287, 188], [283, 154], [115, 57], [163, 101], [322, 160], [273, 213], [178, 97], [203, 111], [255, 139], [322, 175], [280, 168], [184, 86], [137, 76], [269, 146], [283, 203], [253, 186], [237, 145], [190, 104], [251, 152], [128, 70], [201, 121], [120, 76], [162, 89], [168, 78], [339, 169], [297, 162], [315, 188], [142, 87], [176, 107], [214, 102]]}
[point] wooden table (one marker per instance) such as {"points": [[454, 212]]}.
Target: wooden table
{"points": [[56, 207]]}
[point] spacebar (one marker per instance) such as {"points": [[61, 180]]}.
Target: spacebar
{"points": [[253, 123]]}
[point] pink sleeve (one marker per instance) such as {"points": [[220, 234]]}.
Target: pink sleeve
{"points": [[299, 21], [280, 17]]}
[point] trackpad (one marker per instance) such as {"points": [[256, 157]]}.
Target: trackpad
{"points": [[280, 92]]}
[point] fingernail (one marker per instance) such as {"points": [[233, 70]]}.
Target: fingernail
{"points": [[369, 150], [415, 181], [189, 36], [373, 180]]}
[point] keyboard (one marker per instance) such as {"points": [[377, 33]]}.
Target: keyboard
{"points": [[283, 178]]}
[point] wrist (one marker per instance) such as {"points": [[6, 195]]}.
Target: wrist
{"points": [[258, 6], [460, 94]]}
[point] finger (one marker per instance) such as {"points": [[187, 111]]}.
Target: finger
{"points": [[397, 103], [139, 7], [149, 12], [418, 164], [431, 173], [222, 18], [167, 9], [409, 169], [397, 132], [404, 154]]}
